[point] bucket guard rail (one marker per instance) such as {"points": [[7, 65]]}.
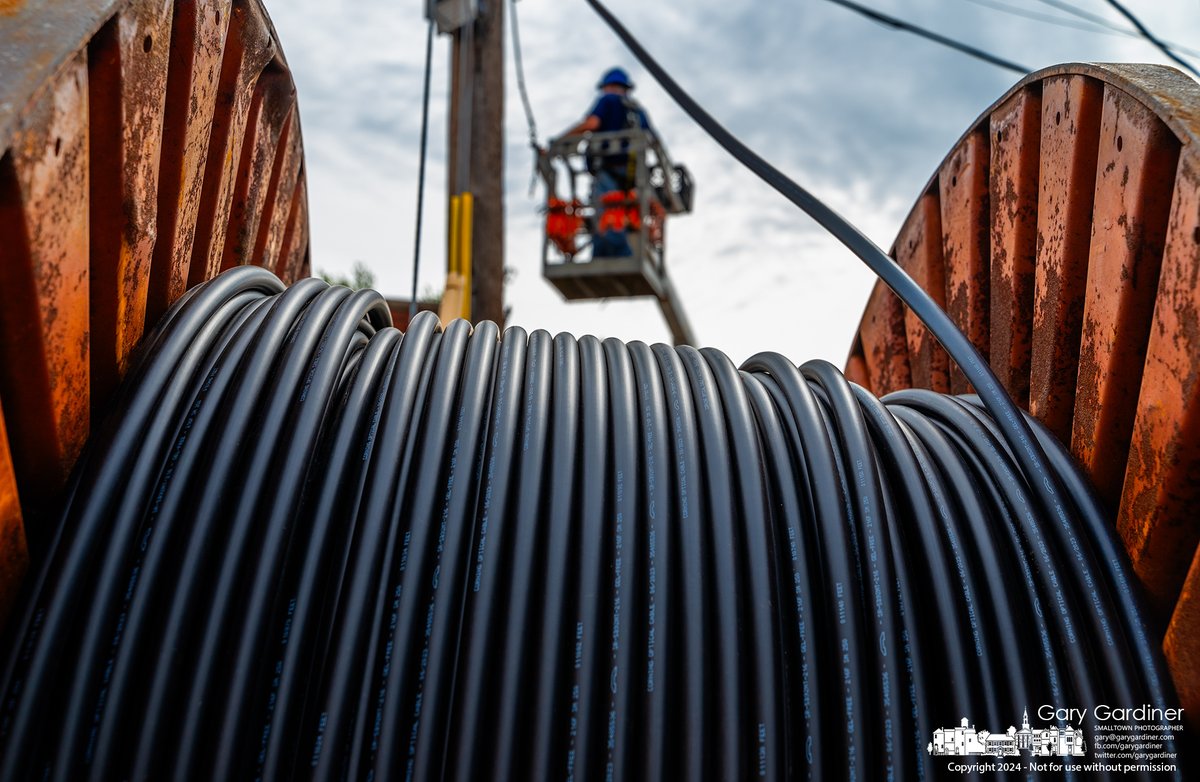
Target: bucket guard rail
{"points": [[574, 217]]}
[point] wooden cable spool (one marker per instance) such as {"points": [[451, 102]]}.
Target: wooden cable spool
{"points": [[1062, 234], [145, 146]]}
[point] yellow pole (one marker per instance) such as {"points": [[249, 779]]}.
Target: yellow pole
{"points": [[452, 265], [451, 306], [466, 224]]}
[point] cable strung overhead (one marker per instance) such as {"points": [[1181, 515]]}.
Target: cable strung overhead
{"points": [[519, 64], [899, 24], [412, 302], [1078, 23], [1152, 38], [309, 546]]}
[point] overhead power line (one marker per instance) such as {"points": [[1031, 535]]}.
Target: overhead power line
{"points": [[519, 63], [1088, 15], [516, 42], [1149, 36], [412, 303], [1110, 25], [1087, 26], [900, 24]]}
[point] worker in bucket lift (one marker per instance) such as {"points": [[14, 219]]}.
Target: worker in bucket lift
{"points": [[614, 173]]}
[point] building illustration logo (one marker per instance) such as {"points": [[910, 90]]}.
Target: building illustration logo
{"points": [[1040, 742]]}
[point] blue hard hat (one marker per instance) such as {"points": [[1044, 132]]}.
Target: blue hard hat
{"points": [[615, 76]]}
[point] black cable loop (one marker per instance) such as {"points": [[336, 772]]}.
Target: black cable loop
{"points": [[357, 422], [757, 549], [315, 548], [625, 657], [592, 554], [414, 575], [215, 675], [1072, 582], [653, 712], [493, 541], [510, 692], [873, 543], [721, 579], [898, 468], [963, 503], [691, 670], [794, 585], [1127, 597], [373, 542], [167, 522], [555, 634]]}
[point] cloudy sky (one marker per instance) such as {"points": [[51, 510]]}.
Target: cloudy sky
{"points": [[858, 113]]}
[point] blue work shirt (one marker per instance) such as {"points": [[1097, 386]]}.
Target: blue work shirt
{"points": [[613, 111]]}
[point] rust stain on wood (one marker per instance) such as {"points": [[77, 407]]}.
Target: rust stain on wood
{"points": [[1135, 170], [1015, 143], [197, 48], [1070, 137], [257, 173], [44, 329], [250, 48], [885, 346], [963, 189], [1159, 518], [1182, 646], [280, 197], [294, 250], [918, 250], [127, 89], [14, 554]]}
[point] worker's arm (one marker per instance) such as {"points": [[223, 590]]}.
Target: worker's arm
{"points": [[587, 125]]}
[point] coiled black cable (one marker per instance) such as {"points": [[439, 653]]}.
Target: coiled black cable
{"points": [[312, 547]]}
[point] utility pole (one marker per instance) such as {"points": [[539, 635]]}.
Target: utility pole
{"points": [[487, 167], [475, 261]]}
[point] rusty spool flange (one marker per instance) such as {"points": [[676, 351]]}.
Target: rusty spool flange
{"points": [[145, 145], [1062, 234]]}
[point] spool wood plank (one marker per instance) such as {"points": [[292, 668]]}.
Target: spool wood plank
{"points": [[1183, 654], [1134, 176], [127, 79], [266, 127], [249, 48], [856, 366], [1015, 145], [884, 343], [918, 250], [197, 48], [293, 251], [1161, 492], [44, 279], [107, 141], [1070, 138], [966, 241], [14, 555], [285, 176]]}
